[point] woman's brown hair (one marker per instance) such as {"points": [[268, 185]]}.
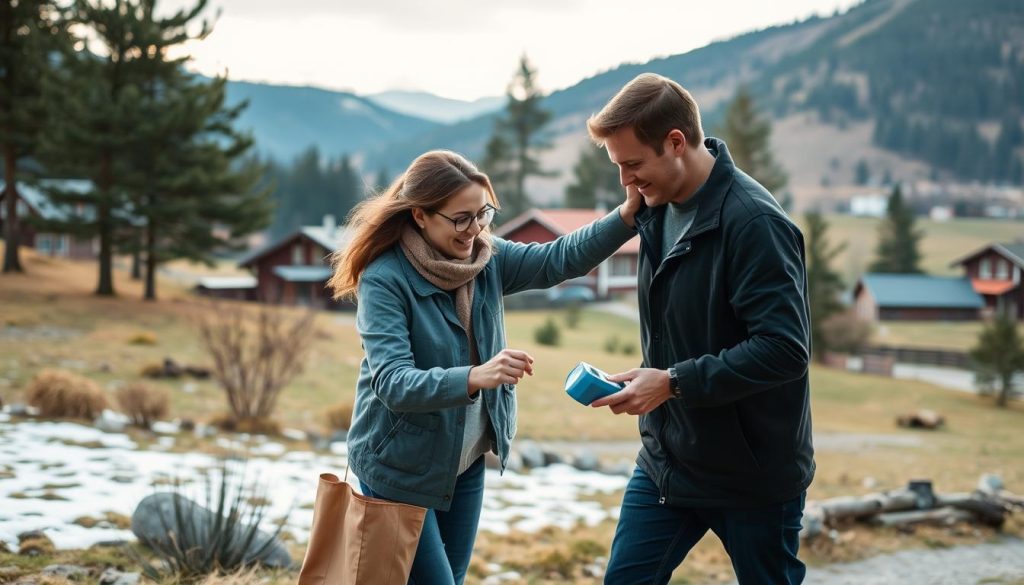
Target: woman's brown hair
{"points": [[377, 223]]}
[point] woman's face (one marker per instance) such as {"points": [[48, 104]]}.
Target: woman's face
{"points": [[439, 230]]}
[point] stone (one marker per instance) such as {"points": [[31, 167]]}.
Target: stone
{"points": [[157, 510], [586, 461], [515, 462], [110, 422], [531, 454], [990, 483], [551, 457], [114, 577]]}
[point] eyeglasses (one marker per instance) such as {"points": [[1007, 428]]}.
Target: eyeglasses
{"points": [[483, 218]]}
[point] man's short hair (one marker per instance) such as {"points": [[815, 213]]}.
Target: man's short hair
{"points": [[653, 106]]}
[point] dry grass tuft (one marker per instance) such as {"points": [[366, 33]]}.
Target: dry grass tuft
{"points": [[60, 394], [253, 426], [143, 403], [143, 338]]}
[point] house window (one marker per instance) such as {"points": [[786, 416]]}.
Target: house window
{"points": [[60, 246], [985, 268], [1002, 269], [623, 266], [297, 259]]}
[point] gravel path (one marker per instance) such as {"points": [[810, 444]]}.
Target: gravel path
{"points": [[1002, 562]]}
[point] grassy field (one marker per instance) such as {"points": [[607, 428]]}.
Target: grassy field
{"points": [[48, 318], [944, 242]]}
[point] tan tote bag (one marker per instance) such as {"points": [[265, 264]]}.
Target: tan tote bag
{"points": [[359, 540]]}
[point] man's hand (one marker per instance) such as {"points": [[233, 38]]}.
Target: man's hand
{"points": [[646, 389], [627, 211]]}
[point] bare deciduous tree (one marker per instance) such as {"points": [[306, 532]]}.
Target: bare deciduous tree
{"points": [[253, 361]]}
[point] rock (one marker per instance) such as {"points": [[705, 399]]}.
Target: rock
{"points": [[70, 572], [990, 483], [339, 436], [318, 441], [8, 573], [531, 454], [198, 372], [157, 510], [593, 570], [113, 577], [551, 458], [17, 409], [187, 424], [110, 422], [624, 468], [922, 419], [172, 369], [586, 461], [104, 367]]}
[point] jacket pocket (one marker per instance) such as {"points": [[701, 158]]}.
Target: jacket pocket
{"points": [[709, 439], [508, 402], [409, 445]]}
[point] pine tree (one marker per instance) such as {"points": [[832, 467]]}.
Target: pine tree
{"points": [[748, 135], [514, 146], [824, 285], [30, 34], [104, 122], [200, 195], [1000, 351], [381, 182], [597, 180], [898, 239]]}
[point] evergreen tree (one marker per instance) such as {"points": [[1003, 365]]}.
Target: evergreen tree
{"points": [[596, 180], [898, 239], [199, 196], [861, 173], [31, 33], [1000, 352], [824, 285], [381, 182], [748, 135], [103, 123], [513, 149]]}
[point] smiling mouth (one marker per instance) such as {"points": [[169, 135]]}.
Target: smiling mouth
{"points": [[464, 243]]}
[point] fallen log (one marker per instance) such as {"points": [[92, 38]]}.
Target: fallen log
{"points": [[940, 516]]}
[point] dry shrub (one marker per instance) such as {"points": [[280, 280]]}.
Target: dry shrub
{"points": [[252, 425], [846, 333], [36, 546], [60, 394], [339, 416], [143, 338], [143, 403], [152, 371]]}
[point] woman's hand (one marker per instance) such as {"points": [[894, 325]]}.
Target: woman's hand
{"points": [[627, 211], [508, 367]]}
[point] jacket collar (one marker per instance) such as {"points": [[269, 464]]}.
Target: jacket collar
{"points": [[712, 194], [421, 286]]}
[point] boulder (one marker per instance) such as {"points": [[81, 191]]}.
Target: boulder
{"points": [[156, 511]]}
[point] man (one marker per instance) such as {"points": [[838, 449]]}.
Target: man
{"points": [[723, 395]]}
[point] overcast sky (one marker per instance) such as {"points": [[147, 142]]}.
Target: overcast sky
{"points": [[461, 48]]}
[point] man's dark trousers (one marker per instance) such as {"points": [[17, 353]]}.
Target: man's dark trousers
{"points": [[653, 538]]}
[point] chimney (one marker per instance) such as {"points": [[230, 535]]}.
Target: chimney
{"points": [[329, 225]]}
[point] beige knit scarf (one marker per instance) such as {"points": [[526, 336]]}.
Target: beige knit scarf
{"points": [[447, 274]]}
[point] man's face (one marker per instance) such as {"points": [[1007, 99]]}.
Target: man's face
{"points": [[658, 178]]}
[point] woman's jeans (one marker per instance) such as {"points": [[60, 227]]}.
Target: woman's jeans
{"points": [[446, 543], [652, 539]]}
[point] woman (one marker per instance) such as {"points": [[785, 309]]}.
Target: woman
{"points": [[436, 388]]}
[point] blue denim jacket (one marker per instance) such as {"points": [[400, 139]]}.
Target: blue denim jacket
{"points": [[411, 397]]}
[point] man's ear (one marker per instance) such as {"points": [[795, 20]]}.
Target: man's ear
{"points": [[676, 140]]}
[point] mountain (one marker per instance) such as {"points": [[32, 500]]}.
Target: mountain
{"points": [[286, 120], [913, 88], [436, 108]]}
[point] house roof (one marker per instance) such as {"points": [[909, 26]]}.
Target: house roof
{"points": [[227, 282], [303, 273], [34, 196], [921, 291], [562, 221], [992, 287], [1012, 251], [330, 240]]}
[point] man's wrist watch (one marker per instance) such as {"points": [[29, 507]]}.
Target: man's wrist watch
{"points": [[674, 384]]}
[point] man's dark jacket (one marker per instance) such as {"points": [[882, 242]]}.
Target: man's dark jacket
{"points": [[727, 307]]}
